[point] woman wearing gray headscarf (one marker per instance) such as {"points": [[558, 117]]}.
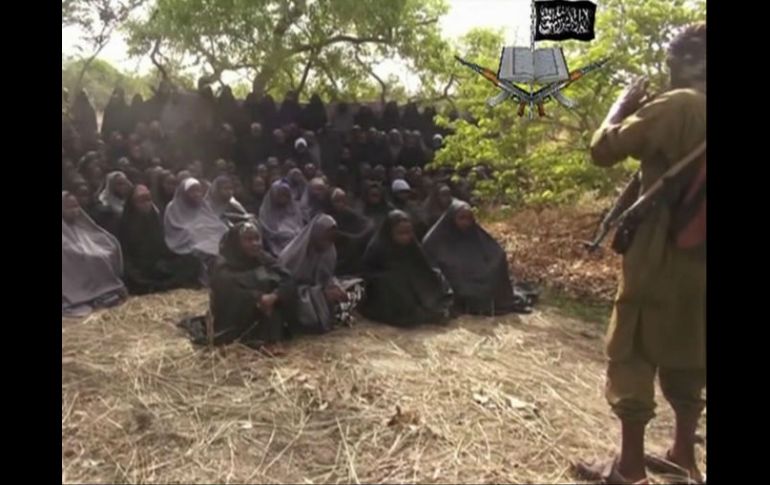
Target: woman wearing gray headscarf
{"points": [[91, 263], [280, 217], [190, 225], [220, 197], [115, 192], [311, 259]]}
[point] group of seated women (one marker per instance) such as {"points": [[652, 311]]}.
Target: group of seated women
{"points": [[304, 264]]}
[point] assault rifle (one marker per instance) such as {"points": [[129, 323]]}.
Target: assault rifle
{"points": [[629, 210]]}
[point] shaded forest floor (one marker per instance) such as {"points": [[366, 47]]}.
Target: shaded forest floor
{"points": [[506, 399]]}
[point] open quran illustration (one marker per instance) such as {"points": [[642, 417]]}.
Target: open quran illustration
{"points": [[546, 67]]}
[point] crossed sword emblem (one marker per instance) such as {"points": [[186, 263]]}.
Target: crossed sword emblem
{"points": [[535, 99]]}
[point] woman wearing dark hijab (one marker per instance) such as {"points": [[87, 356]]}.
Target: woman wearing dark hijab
{"points": [[428, 125], [374, 205], [314, 115], [473, 262], [268, 113], [255, 194], [136, 112], [316, 199], [365, 117], [279, 145], [84, 118], [403, 199], [412, 154], [342, 121], [163, 189], [290, 111], [280, 217], [150, 265], [249, 293], [116, 115], [91, 263], [227, 107], [437, 203], [401, 287], [353, 234], [391, 119], [220, 197], [394, 145], [311, 258], [190, 225], [411, 119]]}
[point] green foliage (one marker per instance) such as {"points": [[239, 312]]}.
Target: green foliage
{"points": [[101, 78], [545, 160], [329, 46]]}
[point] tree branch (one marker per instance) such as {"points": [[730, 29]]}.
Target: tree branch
{"points": [[305, 73], [370, 71], [338, 39]]}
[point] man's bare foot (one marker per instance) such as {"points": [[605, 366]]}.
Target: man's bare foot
{"points": [[607, 472], [685, 467]]}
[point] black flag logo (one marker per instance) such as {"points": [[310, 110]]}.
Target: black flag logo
{"points": [[563, 20]]}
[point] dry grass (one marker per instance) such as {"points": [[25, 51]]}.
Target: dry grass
{"points": [[509, 399]]}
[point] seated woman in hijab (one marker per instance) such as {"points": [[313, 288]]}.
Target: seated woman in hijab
{"points": [[163, 187], [280, 217], [473, 262], [403, 199], [436, 204], [353, 234], [374, 205], [297, 183], [150, 264], [310, 258], [112, 198], [401, 287], [315, 200], [249, 293], [255, 194], [191, 226], [221, 200], [91, 263]]}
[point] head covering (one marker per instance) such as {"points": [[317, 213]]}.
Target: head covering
{"points": [[353, 234], [301, 258], [189, 228], [309, 204], [297, 183], [91, 262], [300, 142], [230, 247], [141, 235], [107, 197], [400, 185], [314, 115], [403, 289], [279, 224], [391, 118], [473, 262], [216, 203], [313, 271]]}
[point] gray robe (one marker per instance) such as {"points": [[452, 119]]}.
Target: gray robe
{"points": [[192, 230], [312, 271], [91, 265]]}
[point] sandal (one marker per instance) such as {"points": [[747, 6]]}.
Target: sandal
{"points": [[603, 473], [666, 466]]}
